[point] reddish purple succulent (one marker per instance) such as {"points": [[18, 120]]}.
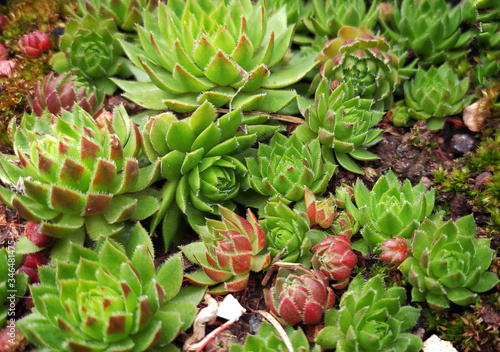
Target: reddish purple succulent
{"points": [[6, 67], [395, 250], [320, 213], [334, 258], [31, 263], [61, 93], [298, 296], [32, 232], [33, 44]]}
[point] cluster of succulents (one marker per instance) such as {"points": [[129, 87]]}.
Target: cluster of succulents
{"points": [[87, 180]]}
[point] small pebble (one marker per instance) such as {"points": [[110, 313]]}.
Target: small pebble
{"points": [[254, 323], [462, 143], [482, 178], [435, 344], [427, 183]]}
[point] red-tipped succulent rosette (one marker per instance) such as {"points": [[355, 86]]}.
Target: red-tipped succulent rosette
{"points": [[335, 259], [394, 251], [320, 213], [299, 296], [229, 250], [33, 44]]}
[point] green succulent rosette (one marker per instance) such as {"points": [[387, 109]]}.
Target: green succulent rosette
{"points": [[430, 28], [125, 13], [358, 56], [370, 318], [111, 299], [72, 172], [229, 53], [199, 157], [287, 166], [448, 264], [436, 93], [390, 210], [343, 123], [11, 283], [268, 339], [288, 230], [90, 49]]}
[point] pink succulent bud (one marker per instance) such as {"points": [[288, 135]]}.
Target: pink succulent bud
{"points": [[298, 296], [31, 263], [334, 258], [33, 44], [4, 53], [320, 213], [32, 232], [395, 251], [6, 67]]}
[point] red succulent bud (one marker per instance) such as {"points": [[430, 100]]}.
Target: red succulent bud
{"points": [[31, 263], [395, 251], [320, 213], [300, 296], [4, 53], [334, 258], [32, 232], [33, 44], [6, 67]]}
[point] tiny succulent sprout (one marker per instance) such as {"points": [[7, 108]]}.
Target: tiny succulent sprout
{"points": [[334, 258], [229, 250], [370, 318], [345, 225], [342, 193], [299, 296], [322, 212], [33, 44], [394, 251]]}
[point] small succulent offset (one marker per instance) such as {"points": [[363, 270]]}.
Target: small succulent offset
{"points": [[334, 258], [370, 318], [111, 299], [301, 295], [199, 158], [342, 121], [228, 53], [390, 210], [448, 263], [358, 56], [321, 213], [11, 284], [229, 250], [73, 171], [33, 44], [430, 28], [394, 251], [287, 166], [267, 339], [328, 17], [125, 13], [61, 93], [436, 93], [286, 230], [90, 49]]}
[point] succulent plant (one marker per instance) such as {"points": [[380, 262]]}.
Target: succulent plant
{"points": [[267, 339], [346, 224], [286, 230], [390, 210], [343, 193], [71, 170], [287, 166], [321, 213], [228, 53], [34, 43], [61, 93], [329, 17], [448, 263], [394, 251], [111, 299], [342, 121], [435, 94], [334, 258], [358, 56], [125, 13], [430, 28], [200, 159], [370, 318], [301, 295], [12, 285], [229, 250], [90, 49]]}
